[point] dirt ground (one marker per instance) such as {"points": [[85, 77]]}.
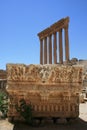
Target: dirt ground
{"points": [[78, 124]]}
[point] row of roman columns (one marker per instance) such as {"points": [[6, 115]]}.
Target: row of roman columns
{"points": [[46, 48]]}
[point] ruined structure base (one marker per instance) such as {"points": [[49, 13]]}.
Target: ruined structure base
{"points": [[52, 90]]}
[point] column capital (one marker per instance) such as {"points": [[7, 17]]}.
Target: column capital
{"points": [[60, 30], [66, 26]]}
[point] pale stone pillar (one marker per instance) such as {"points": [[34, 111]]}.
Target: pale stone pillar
{"points": [[60, 47], [55, 47], [45, 50], [50, 49], [41, 51], [66, 44]]}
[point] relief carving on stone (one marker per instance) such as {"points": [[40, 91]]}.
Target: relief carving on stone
{"points": [[51, 89], [66, 74], [44, 73], [20, 72]]}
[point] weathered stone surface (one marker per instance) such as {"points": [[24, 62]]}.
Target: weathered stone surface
{"points": [[3, 74], [53, 90], [3, 84], [44, 73], [3, 79]]}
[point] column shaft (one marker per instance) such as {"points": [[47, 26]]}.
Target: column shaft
{"points": [[41, 51], [55, 48], [60, 47], [66, 44], [50, 49], [45, 50]]}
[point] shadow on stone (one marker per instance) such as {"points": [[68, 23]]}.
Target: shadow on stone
{"points": [[73, 125]]}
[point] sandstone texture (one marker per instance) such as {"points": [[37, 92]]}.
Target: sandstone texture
{"points": [[3, 79], [3, 74], [52, 90]]}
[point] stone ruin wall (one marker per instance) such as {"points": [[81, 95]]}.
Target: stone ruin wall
{"points": [[3, 80], [53, 90], [3, 74]]}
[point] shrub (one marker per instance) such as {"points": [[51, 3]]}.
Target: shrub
{"points": [[3, 103], [25, 111]]}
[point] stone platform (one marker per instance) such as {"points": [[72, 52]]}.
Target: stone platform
{"points": [[52, 90]]}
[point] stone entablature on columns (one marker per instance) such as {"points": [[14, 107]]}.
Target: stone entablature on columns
{"points": [[50, 47]]}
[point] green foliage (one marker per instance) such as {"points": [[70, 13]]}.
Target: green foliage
{"points": [[3, 103], [25, 111]]}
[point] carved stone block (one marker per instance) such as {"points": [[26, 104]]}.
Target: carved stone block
{"points": [[52, 90]]}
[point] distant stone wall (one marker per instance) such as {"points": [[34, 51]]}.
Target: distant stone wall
{"points": [[3, 74], [3, 79], [3, 84], [53, 90]]}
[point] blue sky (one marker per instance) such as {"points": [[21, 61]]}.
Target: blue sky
{"points": [[21, 20]]}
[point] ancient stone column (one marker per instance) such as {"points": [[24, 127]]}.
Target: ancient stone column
{"points": [[50, 54], [41, 51], [45, 50], [60, 47], [66, 44], [50, 49], [55, 47]]}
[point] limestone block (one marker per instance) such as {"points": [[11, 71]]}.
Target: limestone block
{"points": [[52, 90]]}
